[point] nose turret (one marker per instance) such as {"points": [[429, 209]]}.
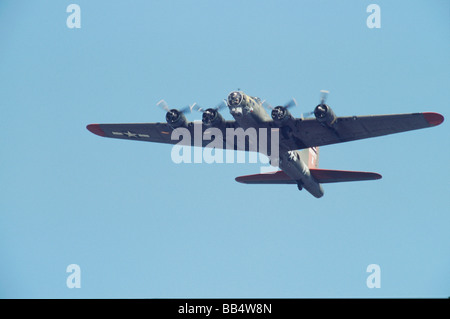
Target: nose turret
{"points": [[234, 99]]}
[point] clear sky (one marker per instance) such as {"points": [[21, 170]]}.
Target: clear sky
{"points": [[139, 225]]}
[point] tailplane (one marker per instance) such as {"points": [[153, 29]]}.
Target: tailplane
{"points": [[320, 175], [301, 168]]}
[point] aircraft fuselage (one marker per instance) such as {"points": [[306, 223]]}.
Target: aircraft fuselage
{"points": [[246, 110], [249, 112]]}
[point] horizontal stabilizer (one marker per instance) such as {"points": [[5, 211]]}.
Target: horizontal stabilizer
{"points": [[321, 175], [334, 176]]}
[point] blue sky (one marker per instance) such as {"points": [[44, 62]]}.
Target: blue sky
{"points": [[139, 225]]}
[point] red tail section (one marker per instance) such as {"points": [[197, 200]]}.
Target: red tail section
{"points": [[313, 160]]}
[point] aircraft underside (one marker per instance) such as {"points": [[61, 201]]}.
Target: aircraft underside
{"points": [[291, 143]]}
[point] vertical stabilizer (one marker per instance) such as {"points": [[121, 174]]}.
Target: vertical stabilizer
{"points": [[313, 159], [310, 156]]}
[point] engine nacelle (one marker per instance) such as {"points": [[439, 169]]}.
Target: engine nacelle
{"points": [[176, 119], [325, 115], [281, 115], [212, 117]]}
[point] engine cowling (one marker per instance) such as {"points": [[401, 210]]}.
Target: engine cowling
{"points": [[176, 118], [281, 115], [212, 117], [325, 115]]}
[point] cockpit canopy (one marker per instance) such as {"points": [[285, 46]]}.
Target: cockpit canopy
{"points": [[234, 98]]}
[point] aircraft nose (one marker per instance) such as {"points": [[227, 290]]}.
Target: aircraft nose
{"points": [[234, 99], [236, 111]]}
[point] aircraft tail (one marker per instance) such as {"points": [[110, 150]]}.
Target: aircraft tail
{"points": [[321, 176], [310, 156]]}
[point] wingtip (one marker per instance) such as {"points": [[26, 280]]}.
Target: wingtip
{"points": [[433, 119], [96, 129], [240, 179]]}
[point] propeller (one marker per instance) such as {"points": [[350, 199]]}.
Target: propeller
{"points": [[209, 114], [218, 107], [321, 109], [323, 96], [306, 114], [321, 106], [288, 105], [280, 112], [163, 104], [174, 115]]}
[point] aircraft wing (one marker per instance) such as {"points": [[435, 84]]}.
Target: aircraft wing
{"points": [[309, 132], [162, 133], [150, 132]]}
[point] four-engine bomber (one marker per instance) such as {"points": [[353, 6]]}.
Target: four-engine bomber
{"points": [[297, 143]]}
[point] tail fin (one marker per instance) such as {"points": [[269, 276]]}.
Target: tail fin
{"points": [[313, 160], [310, 156]]}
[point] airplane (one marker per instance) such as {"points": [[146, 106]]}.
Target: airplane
{"points": [[293, 142]]}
